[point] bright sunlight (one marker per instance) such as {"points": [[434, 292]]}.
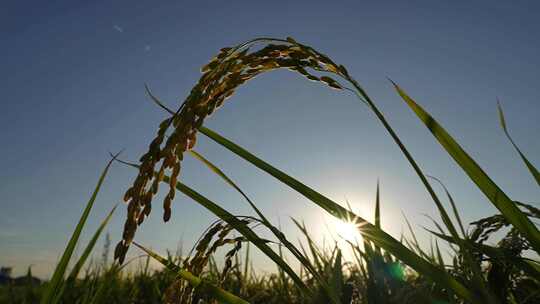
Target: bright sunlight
{"points": [[347, 231]]}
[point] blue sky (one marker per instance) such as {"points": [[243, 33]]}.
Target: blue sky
{"points": [[72, 90]]}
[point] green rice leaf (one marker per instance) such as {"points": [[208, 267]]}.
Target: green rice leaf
{"points": [[377, 215], [156, 100], [86, 253], [229, 181], [88, 250], [337, 277], [454, 208], [529, 165], [439, 255], [201, 284], [377, 208], [281, 237], [368, 231], [501, 201], [528, 266], [53, 291], [239, 225], [242, 229]]}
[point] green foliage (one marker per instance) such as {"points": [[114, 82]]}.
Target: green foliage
{"points": [[196, 282], [529, 165], [505, 205], [56, 286], [384, 270]]}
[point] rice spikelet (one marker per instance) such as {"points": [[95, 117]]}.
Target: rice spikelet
{"points": [[221, 76]]}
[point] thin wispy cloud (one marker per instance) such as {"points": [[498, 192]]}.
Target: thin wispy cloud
{"points": [[118, 28]]}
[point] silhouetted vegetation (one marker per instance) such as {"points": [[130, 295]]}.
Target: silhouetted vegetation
{"points": [[483, 267]]}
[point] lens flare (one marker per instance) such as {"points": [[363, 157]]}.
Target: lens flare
{"points": [[347, 231]]}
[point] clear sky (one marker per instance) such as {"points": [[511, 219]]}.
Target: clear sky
{"points": [[72, 76]]}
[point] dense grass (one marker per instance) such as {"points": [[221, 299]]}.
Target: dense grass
{"points": [[384, 269], [370, 278]]}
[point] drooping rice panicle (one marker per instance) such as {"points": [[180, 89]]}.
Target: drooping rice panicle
{"points": [[221, 76]]}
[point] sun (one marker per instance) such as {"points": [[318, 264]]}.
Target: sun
{"points": [[347, 231]]}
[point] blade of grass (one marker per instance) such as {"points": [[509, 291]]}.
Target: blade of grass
{"points": [[156, 100], [529, 165], [231, 183], [281, 237], [315, 253], [362, 95], [528, 266], [246, 263], [477, 278], [367, 230], [452, 202], [337, 277], [241, 228], [414, 242], [505, 205], [377, 208], [239, 225], [55, 285], [377, 214], [196, 282], [86, 253], [439, 255]]}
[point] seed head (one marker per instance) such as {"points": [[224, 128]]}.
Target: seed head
{"points": [[221, 77]]}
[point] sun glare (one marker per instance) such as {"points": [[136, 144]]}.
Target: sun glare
{"points": [[347, 231]]}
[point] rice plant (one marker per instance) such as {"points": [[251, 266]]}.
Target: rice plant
{"points": [[384, 269]]}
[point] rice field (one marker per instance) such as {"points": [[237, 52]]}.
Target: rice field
{"points": [[384, 269]]}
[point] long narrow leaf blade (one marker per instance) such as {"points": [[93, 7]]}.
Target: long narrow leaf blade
{"points": [[277, 233], [368, 230], [88, 250], [240, 226], [55, 285], [378, 214], [501, 201], [243, 229], [86, 253], [528, 266], [452, 202], [195, 281], [529, 165]]}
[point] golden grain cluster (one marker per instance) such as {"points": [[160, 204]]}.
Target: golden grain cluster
{"points": [[216, 236], [221, 76]]}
